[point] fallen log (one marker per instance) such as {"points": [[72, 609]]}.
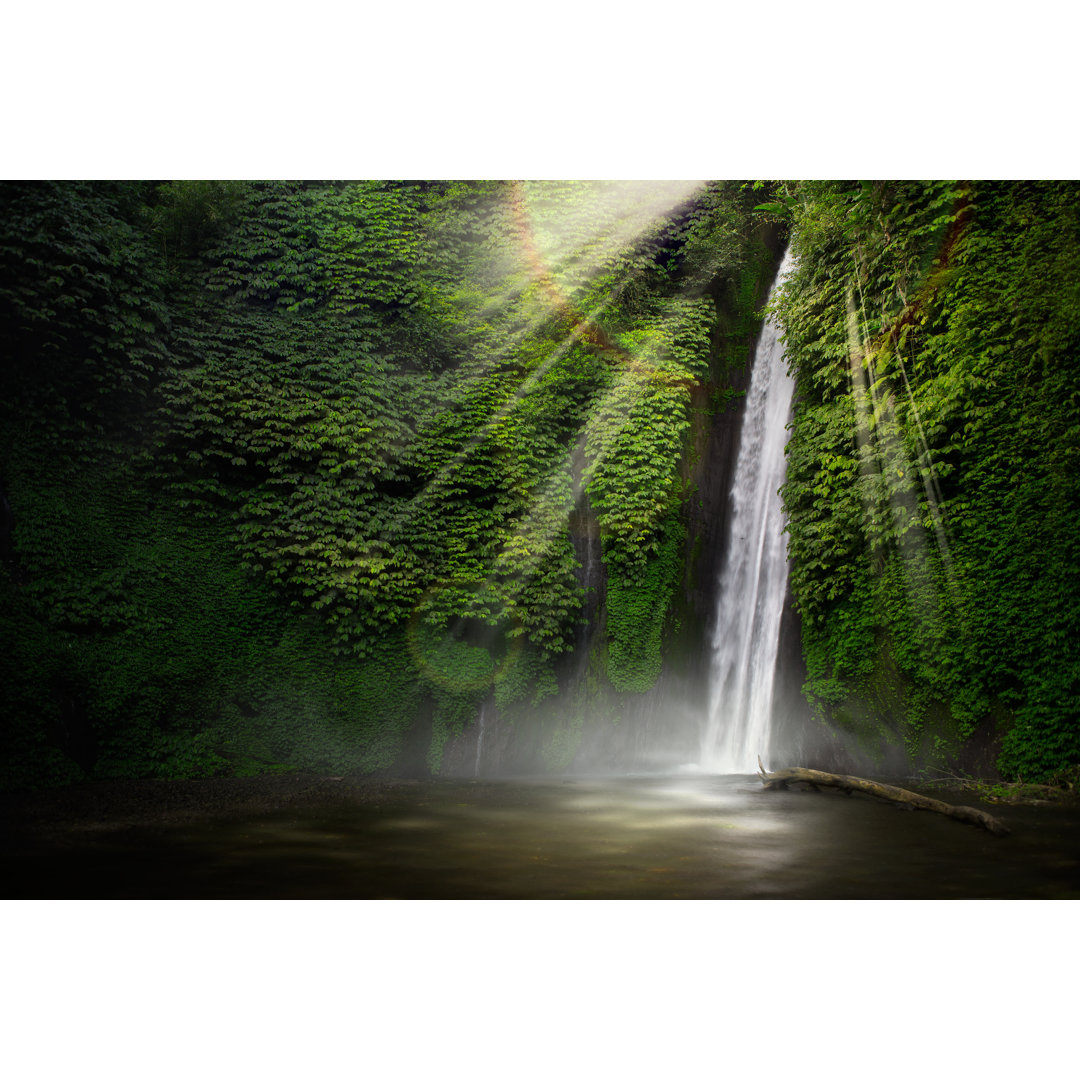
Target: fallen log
{"points": [[848, 784]]}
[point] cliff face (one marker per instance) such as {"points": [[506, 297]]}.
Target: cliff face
{"points": [[931, 489], [716, 444], [434, 477], [659, 726], [311, 475]]}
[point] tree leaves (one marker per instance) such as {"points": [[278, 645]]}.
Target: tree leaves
{"points": [[392, 405], [930, 329]]}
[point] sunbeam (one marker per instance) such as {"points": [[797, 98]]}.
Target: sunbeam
{"points": [[888, 472], [620, 216]]}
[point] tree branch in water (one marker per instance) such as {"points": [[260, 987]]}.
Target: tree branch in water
{"points": [[848, 784]]}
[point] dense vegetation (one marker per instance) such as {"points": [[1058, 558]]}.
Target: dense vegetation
{"points": [[934, 469], [292, 471], [309, 474]]}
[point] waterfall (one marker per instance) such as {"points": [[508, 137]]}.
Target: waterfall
{"points": [[754, 577]]}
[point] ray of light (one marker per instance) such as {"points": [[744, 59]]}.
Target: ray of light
{"points": [[584, 327], [886, 465], [547, 518]]}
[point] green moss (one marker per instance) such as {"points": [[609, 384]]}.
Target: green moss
{"points": [[562, 742], [524, 676], [932, 477], [637, 610]]}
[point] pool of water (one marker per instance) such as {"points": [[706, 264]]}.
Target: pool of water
{"points": [[639, 837]]}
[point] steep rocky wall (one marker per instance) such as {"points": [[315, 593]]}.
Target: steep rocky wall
{"points": [[604, 730]]}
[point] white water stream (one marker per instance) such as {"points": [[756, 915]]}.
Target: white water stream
{"points": [[754, 577]]}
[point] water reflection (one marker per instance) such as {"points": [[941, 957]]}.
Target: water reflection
{"points": [[682, 836]]}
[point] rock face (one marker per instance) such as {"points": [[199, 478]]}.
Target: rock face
{"points": [[794, 737], [662, 727], [588, 726]]}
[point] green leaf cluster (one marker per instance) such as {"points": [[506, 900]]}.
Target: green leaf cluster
{"points": [[932, 485], [290, 463]]}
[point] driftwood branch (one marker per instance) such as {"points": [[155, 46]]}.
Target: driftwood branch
{"points": [[849, 784]]}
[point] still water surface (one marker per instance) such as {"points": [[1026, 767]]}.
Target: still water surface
{"points": [[641, 837]]}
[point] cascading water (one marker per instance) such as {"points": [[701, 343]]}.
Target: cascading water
{"points": [[754, 578]]}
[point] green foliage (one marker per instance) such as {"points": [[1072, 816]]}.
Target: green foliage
{"points": [[637, 612], [366, 485], [562, 743], [932, 479], [525, 676], [288, 459], [187, 215], [179, 663], [83, 323]]}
